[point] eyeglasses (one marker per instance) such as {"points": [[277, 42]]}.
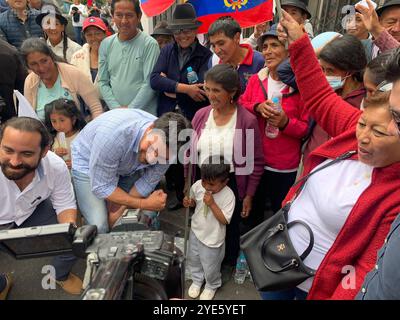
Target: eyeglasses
{"points": [[185, 32], [396, 119]]}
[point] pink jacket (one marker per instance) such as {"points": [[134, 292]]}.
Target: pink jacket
{"points": [[283, 152]]}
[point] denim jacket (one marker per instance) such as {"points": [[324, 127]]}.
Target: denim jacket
{"points": [[383, 282]]}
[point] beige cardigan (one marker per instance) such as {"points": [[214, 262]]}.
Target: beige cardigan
{"points": [[72, 79]]}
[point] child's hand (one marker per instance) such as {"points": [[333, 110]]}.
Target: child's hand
{"points": [[208, 198], [69, 164], [61, 151], [187, 202]]}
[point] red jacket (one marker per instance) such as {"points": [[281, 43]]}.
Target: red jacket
{"points": [[319, 136], [369, 221], [283, 152]]}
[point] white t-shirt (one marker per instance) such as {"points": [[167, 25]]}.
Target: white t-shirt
{"points": [[82, 8], [68, 140], [274, 87], [204, 225], [324, 205], [217, 140], [52, 180]]}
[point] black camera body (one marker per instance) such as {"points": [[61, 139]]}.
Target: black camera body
{"points": [[132, 263], [135, 265]]}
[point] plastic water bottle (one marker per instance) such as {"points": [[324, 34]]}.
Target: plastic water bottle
{"points": [[192, 76], [270, 130], [241, 269]]}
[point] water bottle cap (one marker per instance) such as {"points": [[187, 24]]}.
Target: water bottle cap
{"points": [[189, 69], [275, 100]]}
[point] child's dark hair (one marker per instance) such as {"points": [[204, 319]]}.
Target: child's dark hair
{"points": [[215, 168], [66, 108]]}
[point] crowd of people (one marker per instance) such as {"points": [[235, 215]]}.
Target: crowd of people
{"points": [[112, 103]]}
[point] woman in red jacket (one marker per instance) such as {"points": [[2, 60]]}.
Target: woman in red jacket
{"points": [[350, 205], [282, 153], [343, 61]]}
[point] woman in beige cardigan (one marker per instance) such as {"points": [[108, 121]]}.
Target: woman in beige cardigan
{"points": [[52, 79]]}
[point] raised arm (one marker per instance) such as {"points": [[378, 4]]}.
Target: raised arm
{"points": [[328, 109]]}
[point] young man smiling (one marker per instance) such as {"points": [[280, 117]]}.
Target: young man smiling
{"points": [[126, 61]]}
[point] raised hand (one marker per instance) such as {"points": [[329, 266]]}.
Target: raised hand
{"points": [[289, 29], [370, 18]]}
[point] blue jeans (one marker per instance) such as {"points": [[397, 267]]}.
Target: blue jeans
{"points": [[78, 35], [94, 209], [289, 294]]}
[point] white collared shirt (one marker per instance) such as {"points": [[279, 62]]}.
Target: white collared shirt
{"points": [[58, 49], [52, 180]]}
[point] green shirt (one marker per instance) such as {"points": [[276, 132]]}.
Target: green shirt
{"points": [[124, 72], [47, 95]]}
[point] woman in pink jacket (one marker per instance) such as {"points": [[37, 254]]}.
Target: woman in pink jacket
{"points": [[281, 154]]}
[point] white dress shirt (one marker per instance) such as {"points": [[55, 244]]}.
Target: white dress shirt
{"points": [[51, 180]]}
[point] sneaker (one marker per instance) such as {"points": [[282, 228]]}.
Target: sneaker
{"points": [[207, 294], [72, 285], [9, 282], [194, 291]]}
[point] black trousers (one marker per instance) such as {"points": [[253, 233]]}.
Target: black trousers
{"points": [[175, 177], [44, 215], [273, 186], [232, 239]]}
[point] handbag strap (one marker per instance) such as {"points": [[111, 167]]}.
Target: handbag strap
{"points": [[303, 180], [263, 89], [311, 244]]}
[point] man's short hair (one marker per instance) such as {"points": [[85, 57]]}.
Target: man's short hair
{"points": [[28, 125], [227, 25], [215, 168], [171, 124], [136, 4]]}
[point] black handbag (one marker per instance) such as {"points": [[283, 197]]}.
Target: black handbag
{"points": [[273, 262]]}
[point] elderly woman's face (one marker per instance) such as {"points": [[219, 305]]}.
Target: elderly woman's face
{"points": [[94, 36], [41, 64], [377, 145], [217, 95], [274, 52]]}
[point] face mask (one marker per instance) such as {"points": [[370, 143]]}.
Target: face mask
{"points": [[335, 82]]}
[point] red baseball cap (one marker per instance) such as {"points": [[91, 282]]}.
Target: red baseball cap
{"points": [[95, 22]]}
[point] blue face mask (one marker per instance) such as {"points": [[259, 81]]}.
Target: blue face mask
{"points": [[336, 82]]}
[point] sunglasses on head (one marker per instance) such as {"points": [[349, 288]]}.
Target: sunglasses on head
{"points": [[385, 86]]}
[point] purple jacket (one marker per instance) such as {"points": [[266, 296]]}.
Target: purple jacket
{"points": [[242, 162]]}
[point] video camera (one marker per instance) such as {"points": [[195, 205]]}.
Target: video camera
{"points": [[129, 263]]}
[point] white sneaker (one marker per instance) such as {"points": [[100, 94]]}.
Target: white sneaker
{"points": [[207, 294], [194, 291]]}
